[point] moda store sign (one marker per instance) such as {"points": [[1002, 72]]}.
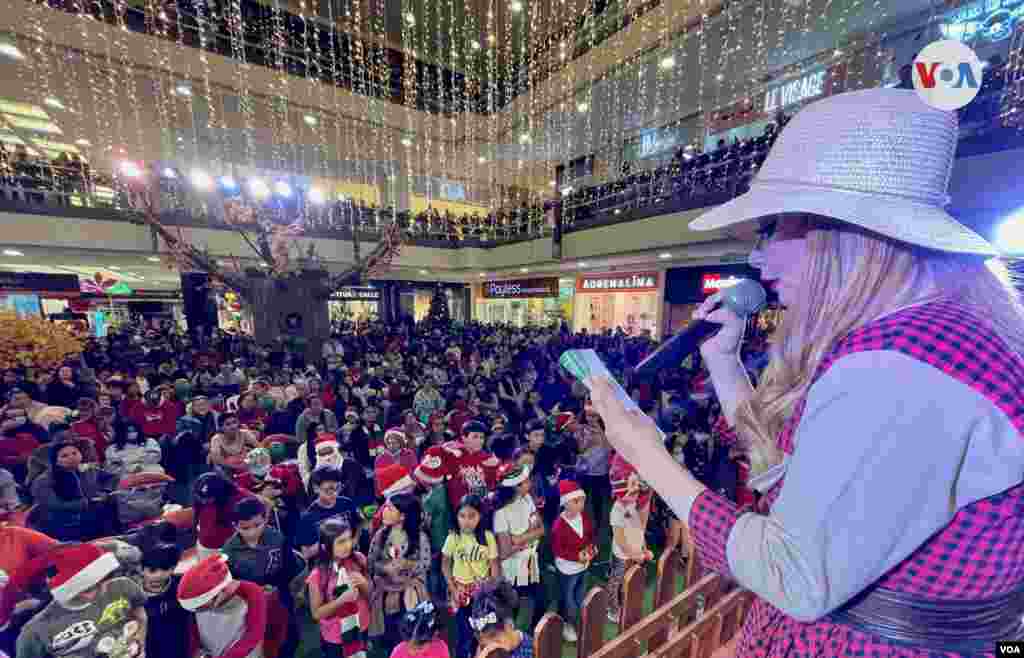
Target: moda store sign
{"points": [[618, 282]]}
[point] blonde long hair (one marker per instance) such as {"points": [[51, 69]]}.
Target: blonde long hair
{"points": [[854, 277]]}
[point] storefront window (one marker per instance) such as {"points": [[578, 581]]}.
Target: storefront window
{"points": [[617, 301]]}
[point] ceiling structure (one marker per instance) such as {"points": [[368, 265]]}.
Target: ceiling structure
{"points": [[132, 96]]}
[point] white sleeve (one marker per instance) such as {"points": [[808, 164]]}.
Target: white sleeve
{"points": [[887, 450], [501, 523]]}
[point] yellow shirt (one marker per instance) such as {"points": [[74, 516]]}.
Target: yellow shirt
{"points": [[470, 561]]}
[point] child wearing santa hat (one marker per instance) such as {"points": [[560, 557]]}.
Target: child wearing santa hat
{"points": [[573, 545], [230, 616], [630, 513], [88, 617], [391, 481], [396, 450]]}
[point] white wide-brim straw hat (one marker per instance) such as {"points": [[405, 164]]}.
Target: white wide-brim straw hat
{"points": [[880, 159]]}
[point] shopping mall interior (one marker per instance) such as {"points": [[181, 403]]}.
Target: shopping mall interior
{"points": [[285, 186]]}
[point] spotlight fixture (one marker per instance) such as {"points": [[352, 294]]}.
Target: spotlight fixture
{"points": [[8, 49], [258, 189], [1010, 234], [12, 252], [201, 180], [282, 189], [316, 195], [130, 169]]}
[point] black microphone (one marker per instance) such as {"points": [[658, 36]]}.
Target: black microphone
{"points": [[744, 298]]}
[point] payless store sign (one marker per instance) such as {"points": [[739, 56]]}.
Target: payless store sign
{"points": [[521, 288], [640, 281]]}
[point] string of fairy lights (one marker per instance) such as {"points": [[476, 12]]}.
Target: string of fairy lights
{"points": [[484, 96]]}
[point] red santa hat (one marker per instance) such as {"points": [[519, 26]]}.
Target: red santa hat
{"points": [[564, 420], [621, 472], [431, 468], [700, 389], [143, 480], [203, 582], [77, 568], [512, 474], [569, 490], [327, 439], [393, 480]]}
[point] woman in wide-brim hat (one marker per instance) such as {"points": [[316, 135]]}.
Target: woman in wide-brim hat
{"points": [[886, 434]]}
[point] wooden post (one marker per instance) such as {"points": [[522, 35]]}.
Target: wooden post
{"points": [[593, 617], [634, 587], [547, 639], [664, 590]]}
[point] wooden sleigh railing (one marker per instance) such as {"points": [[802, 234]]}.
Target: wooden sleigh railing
{"points": [[693, 623]]}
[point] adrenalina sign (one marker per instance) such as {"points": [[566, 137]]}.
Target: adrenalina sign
{"points": [[521, 288], [613, 282]]}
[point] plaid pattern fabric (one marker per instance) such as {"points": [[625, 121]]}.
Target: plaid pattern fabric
{"points": [[978, 555]]}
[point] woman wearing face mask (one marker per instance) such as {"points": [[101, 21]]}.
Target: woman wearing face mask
{"points": [[131, 452]]}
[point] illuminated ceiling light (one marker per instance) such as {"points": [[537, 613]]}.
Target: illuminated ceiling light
{"points": [[258, 188], [582, 107], [12, 252], [667, 62], [183, 90], [201, 180], [482, 274], [8, 49], [837, 53], [83, 142], [475, 45], [567, 190], [581, 264], [720, 77], [316, 195], [516, 6], [561, 56], [169, 172], [130, 169], [665, 256], [153, 259], [424, 272], [54, 102], [524, 138], [1010, 234], [113, 268], [282, 189], [491, 39], [554, 183], [524, 270], [310, 120], [228, 183], [481, 159], [410, 18], [406, 142]]}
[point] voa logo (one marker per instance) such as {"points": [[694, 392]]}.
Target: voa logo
{"points": [[947, 74]]}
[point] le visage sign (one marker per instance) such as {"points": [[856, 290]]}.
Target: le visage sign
{"points": [[633, 282], [521, 288], [796, 91]]}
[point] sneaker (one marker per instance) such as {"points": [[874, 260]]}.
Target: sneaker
{"points": [[569, 634]]}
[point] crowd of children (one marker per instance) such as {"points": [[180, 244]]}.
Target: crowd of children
{"points": [[214, 496]]}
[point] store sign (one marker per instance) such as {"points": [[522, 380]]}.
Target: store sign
{"points": [[39, 282], [712, 283], [356, 294], [989, 20], [521, 289], [796, 91], [614, 282]]}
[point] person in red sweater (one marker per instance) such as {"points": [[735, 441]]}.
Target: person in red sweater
{"points": [[157, 415], [96, 424], [214, 498], [467, 467], [574, 547], [231, 619]]}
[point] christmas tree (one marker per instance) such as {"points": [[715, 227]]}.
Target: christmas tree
{"points": [[438, 313]]}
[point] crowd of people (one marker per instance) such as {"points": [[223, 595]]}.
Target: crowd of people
{"points": [[417, 479]]}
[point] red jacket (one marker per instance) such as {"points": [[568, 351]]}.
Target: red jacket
{"points": [[566, 544], [87, 429], [21, 556], [215, 527], [256, 631], [155, 422]]}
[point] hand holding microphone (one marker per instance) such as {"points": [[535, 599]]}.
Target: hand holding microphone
{"points": [[725, 343]]}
